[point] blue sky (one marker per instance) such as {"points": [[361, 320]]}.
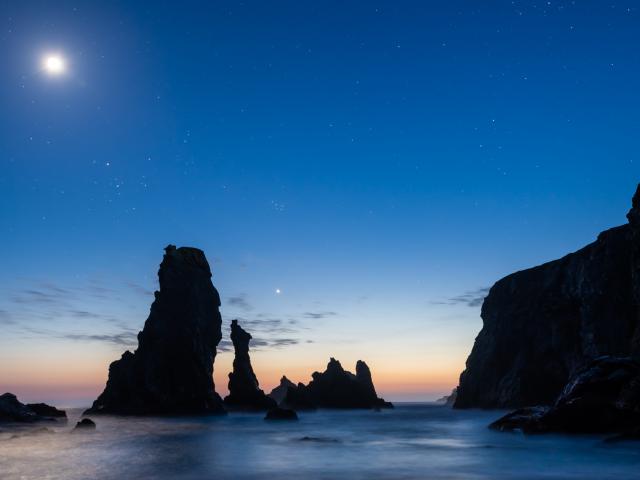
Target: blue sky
{"points": [[375, 161]]}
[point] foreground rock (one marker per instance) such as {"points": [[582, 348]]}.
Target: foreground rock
{"points": [[244, 391], [86, 424], [280, 392], [543, 324], [171, 370], [336, 388], [12, 410], [281, 414], [603, 397]]}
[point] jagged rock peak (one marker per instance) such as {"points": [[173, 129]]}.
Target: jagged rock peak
{"points": [[244, 391], [171, 370], [280, 392], [337, 388]]}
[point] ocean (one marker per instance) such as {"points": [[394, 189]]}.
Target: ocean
{"points": [[412, 441]]}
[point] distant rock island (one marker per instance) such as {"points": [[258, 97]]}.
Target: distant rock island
{"points": [[12, 410], [541, 326], [244, 391], [171, 370], [336, 388]]}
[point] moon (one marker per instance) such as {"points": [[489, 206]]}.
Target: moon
{"points": [[54, 64]]}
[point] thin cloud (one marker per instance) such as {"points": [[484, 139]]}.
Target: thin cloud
{"points": [[240, 301], [472, 298], [318, 315]]}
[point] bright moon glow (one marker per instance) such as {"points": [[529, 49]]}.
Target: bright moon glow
{"points": [[277, 291], [54, 64]]}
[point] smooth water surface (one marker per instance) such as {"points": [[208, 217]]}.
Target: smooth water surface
{"points": [[409, 442]]}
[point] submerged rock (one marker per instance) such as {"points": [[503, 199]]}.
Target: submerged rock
{"points": [[603, 397], [280, 392], [85, 424], [542, 324], [281, 414], [244, 391], [171, 370], [337, 388]]}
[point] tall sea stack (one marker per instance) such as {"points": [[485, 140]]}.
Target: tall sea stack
{"points": [[171, 370], [244, 391], [542, 325]]}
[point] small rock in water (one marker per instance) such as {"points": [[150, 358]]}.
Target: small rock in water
{"points": [[281, 414], [85, 424]]}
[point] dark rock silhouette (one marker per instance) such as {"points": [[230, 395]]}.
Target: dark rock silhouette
{"points": [[45, 410], [336, 388], [299, 398], [85, 424], [602, 397], [244, 391], [280, 392], [12, 410], [171, 370], [281, 414], [543, 324]]}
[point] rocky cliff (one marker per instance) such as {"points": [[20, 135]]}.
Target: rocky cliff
{"points": [[543, 324], [171, 370], [244, 391], [337, 388]]}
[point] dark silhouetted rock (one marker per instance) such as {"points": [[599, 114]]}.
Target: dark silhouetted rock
{"points": [[280, 392], [12, 410], [171, 370], [603, 397], [244, 391], [44, 410], [299, 398], [543, 324], [281, 414], [336, 388], [86, 424]]}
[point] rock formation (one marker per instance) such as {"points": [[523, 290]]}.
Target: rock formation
{"points": [[543, 324], [171, 370], [603, 397], [85, 424], [337, 388], [280, 392], [12, 410], [244, 391], [45, 410]]}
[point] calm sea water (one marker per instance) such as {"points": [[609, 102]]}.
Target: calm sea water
{"points": [[409, 442]]}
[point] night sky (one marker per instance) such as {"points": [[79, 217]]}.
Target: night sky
{"points": [[357, 173]]}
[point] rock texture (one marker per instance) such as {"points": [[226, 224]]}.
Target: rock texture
{"points": [[171, 370], [337, 388], [280, 392], [543, 324], [448, 400], [244, 391], [603, 397], [12, 410]]}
